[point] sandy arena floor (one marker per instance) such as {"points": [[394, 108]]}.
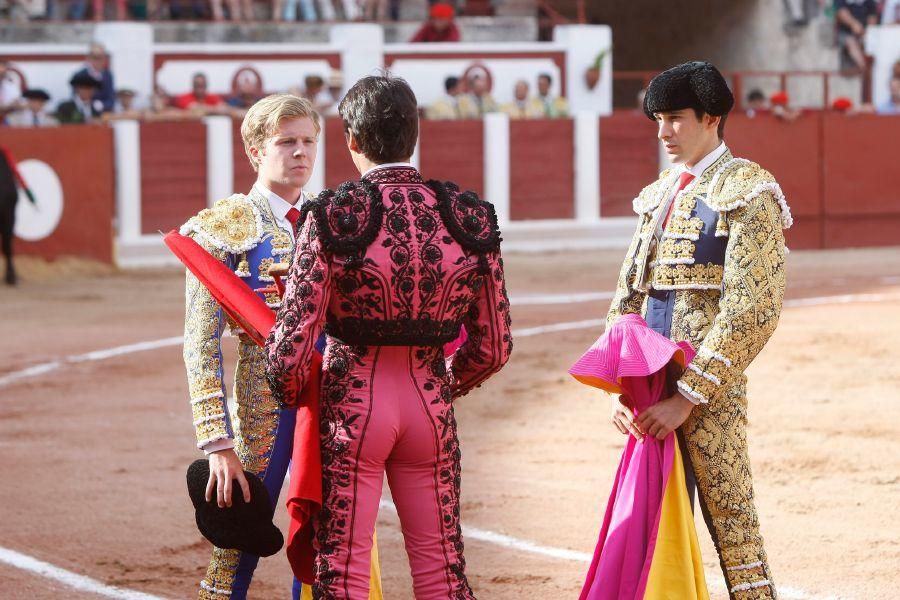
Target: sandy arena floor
{"points": [[95, 448]]}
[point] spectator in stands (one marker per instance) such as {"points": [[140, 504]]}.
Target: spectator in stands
{"points": [[440, 26], [335, 86], [34, 113], [756, 104], [314, 91], [891, 106], [853, 16], [890, 13], [238, 10], [454, 104], [10, 92], [187, 9], [78, 10], [245, 96], [554, 106], [84, 107], [198, 99], [96, 65], [523, 106], [286, 10], [781, 106], [481, 95]]}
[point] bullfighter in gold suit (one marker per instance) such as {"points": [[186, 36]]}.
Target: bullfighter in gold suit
{"points": [[706, 265]]}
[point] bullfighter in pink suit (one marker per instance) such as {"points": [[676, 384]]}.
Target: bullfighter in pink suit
{"points": [[391, 267]]}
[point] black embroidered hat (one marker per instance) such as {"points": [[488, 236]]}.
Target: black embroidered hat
{"points": [[698, 85], [245, 527]]}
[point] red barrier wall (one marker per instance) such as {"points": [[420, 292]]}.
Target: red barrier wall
{"points": [[861, 174], [629, 160], [791, 152], [338, 165], [87, 179], [542, 169], [453, 151], [243, 174], [173, 173]]}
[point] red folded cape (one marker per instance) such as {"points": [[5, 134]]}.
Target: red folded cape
{"points": [[253, 315], [305, 488], [235, 297]]}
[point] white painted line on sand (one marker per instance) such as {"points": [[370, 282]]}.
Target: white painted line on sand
{"points": [[53, 365], [714, 578], [73, 580], [530, 331], [548, 299], [47, 367]]}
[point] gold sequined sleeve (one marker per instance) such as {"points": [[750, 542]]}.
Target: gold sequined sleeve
{"points": [[203, 326], [626, 300], [752, 293]]}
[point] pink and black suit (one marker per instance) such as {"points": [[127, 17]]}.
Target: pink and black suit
{"points": [[392, 268]]}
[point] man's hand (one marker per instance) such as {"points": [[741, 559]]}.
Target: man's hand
{"points": [[224, 468], [665, 416], [623, 419]]}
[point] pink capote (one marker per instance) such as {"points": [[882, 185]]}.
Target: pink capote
{"points": [[631, 359]]}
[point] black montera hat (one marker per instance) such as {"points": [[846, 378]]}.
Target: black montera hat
{"points": [[697, 85], [245, 527], [35, 94], [83, 79]]}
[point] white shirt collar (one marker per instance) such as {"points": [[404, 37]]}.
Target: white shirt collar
{"points": [[388, 166], [279, 205], [706, 161]]}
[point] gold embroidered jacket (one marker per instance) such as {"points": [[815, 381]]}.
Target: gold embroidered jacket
{"points": [[715, 276], [241, 232]]}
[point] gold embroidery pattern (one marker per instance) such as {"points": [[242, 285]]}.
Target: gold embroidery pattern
{"points": [[257, 411], [219, 575], [626, 300], [672, 252], [202, 358], [233, 225], [264, 265], [684, 229], [673, 277], [742, 322]]}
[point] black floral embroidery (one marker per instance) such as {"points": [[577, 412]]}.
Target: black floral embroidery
{"points": [[393, 175], [394, 332], [470, 220], [349, 219]]}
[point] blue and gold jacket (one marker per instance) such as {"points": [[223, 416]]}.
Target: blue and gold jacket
{"points": [[241, 231], [715, 276]]}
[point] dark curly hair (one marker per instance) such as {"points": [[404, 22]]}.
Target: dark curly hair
{"points": [[382, 114]]}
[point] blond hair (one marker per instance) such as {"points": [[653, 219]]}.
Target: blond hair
{"points": [[262, 120]]}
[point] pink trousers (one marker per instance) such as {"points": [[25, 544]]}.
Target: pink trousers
{"points": [[387, 409]]}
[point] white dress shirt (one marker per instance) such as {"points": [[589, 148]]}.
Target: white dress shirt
{"points": [[697, 170], [279, 206]]}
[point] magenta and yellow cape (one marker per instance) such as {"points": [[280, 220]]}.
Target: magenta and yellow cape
{"points": [[648, 548]]}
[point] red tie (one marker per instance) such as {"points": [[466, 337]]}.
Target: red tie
{"points": [[683, 179], [293, 215]]}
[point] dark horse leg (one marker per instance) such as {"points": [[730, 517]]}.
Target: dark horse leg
{"points": [[7, 223]]}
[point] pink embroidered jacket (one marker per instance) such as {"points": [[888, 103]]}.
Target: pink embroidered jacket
{"points": [[393, 261]]}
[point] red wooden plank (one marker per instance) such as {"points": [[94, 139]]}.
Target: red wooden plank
{"points": [[629, 160], [542, 161], [454, 151], [173, 173]]}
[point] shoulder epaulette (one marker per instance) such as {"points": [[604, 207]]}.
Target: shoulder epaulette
{"points": [[233, 225], [738, 182], [652, 195], [470, 220]]}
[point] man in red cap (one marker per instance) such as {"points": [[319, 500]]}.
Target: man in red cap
{"points": [[440, 26]]}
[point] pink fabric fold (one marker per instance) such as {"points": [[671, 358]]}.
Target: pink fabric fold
{"points": [[631, 359]]}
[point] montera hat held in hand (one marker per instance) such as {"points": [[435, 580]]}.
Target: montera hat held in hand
{"points": [[245, 527], [697, 85]]}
